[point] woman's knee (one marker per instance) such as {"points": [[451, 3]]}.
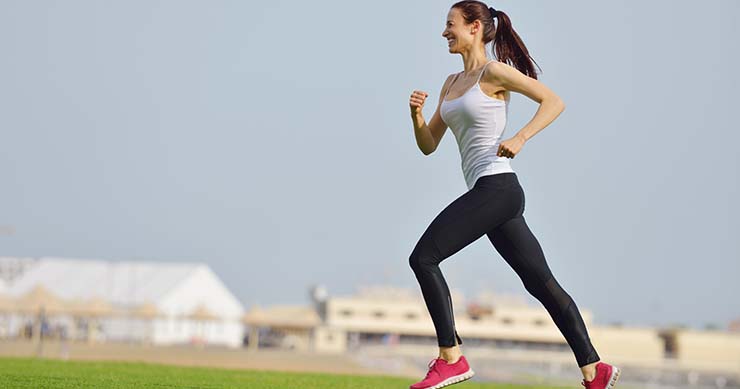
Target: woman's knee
{"points": [[416, 261], [421, 257], [536, 288]]}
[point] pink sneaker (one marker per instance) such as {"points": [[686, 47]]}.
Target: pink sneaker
{"points": [[442, 374], [606, 377]]}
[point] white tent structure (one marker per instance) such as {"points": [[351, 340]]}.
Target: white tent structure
{"points": [[157, 302]]}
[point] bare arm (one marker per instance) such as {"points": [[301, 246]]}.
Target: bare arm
{"points": [[428, 136], [550, 104]]}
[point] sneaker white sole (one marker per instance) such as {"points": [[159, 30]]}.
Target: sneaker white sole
{"points": [[613, 379], [454, 379]]}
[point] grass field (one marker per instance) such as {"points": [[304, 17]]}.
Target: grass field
{"points": [[51, 373]]}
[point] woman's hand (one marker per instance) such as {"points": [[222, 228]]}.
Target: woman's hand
{"points": [[416, 102], [510, 147]]}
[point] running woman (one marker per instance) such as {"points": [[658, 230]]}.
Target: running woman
{"points": [[474, 104]]}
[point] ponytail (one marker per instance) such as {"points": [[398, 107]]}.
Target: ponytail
{"points": [[508, 47]]}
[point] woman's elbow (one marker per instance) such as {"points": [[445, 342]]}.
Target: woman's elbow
{"points": [[560, 103]]}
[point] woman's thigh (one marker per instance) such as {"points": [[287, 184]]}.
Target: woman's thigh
{"points": [[520, 249], [471, 216]]}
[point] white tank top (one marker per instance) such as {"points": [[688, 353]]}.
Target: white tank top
{"points": [[478, 122]]}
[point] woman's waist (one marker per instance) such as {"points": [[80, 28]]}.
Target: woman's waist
{"points": [[478, 151]]}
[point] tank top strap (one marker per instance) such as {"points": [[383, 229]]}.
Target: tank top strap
{"points": [[450, 86], [483, 71]]}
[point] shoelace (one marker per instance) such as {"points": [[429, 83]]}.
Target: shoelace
{"points": [[432, 364]]}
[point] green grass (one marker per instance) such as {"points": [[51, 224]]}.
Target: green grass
{"points": [[50, 373]]}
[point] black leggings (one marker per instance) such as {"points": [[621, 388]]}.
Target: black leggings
{"points": [[494, 207]]}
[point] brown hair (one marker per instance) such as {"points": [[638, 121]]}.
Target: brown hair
{"points": [[507, 46]]}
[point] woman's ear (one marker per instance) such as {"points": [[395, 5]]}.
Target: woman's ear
{"points": [[475, 27]]}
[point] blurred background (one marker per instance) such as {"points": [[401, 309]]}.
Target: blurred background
{"points": [[213, 177]]}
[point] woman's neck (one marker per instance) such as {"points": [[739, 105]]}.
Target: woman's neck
{"points": [[474, 63]]}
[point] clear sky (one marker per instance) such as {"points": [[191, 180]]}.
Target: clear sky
{"points": [[273, 141]]}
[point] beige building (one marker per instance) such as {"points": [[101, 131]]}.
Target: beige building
{"points": [[706, 349], [397, 316]]}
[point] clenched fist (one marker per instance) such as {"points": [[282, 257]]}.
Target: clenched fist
{"points": [[510, 147], [416, 102]]}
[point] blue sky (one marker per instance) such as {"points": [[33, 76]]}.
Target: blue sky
{"points": [[273, 141]]}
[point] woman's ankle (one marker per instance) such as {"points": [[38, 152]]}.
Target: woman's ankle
{"points": [[589, 371], [450, 354]]}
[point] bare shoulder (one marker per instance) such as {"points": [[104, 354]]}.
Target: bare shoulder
{"points": [[450, 77], [511, 79], [507, 76], [448, 82], [498, 70]]}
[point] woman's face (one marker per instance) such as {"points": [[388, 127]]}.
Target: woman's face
{"points": [[458, 34]]}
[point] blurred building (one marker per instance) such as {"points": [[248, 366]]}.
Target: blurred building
{"points": [[153, 302], [399, 317], [12, 267], [734, 325]]}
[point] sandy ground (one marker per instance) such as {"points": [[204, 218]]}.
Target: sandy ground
{"points": [[264, 359]]}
